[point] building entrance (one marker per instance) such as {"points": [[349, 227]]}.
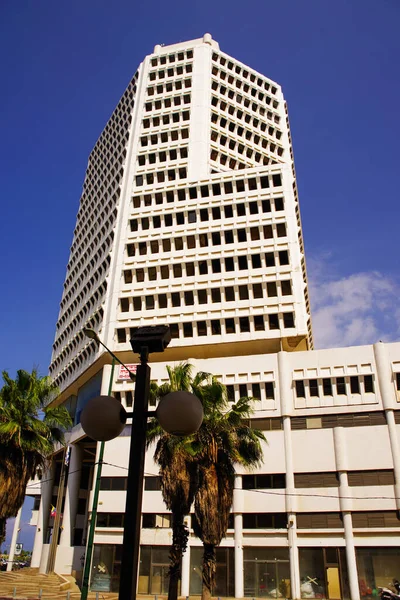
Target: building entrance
{"points": [[267, 579], [266, 573]]}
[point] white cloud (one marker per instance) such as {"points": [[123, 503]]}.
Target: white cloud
{"points": [[361, 308]]}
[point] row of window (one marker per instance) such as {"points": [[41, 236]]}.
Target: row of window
{"points": [[362, 519], [169, 86], [167, 102], [230, 211], [231, 93], [239, 114], [243, 72], [204, 296], [163, 156], [272, 481], [203, 240], [165, 137], [174, 71], [242, 132], [355, 479], [175, 117], [341, 386], [171, 58], [321, 520], [234, 164], [364, 419], [224, 326], [161, 176], [239, 147], [214, 266]]}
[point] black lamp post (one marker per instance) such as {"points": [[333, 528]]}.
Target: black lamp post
{"points": [[179, 413]]}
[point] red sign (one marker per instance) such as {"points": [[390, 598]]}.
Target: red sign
{"points": [[123, 374]]}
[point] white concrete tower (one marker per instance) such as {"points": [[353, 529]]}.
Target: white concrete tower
{"points": [[189, 216]]}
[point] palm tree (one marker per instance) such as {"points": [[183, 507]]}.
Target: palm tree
{"points": [[205, 465], [224, 440], [177, 468], [29, 430]]}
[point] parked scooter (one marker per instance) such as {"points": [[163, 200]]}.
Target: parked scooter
{"points": [[388, 594]]}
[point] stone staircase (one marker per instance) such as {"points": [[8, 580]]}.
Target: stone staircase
{"points": [[28, 582]]}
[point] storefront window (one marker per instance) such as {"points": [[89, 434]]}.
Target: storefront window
{"points": [[106, 567], [153, 570], [225, 575], [323, 573], [377, 567], [267, 572]]}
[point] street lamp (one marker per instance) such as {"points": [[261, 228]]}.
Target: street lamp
{"points": [[91, 334], [179, 413]]}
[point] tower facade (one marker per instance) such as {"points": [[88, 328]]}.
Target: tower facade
{"points": [[189, 217]]}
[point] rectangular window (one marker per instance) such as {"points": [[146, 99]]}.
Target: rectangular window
{"points": [[177, 269], [368, 384], [313, 386], [341, 386], [162, 301], [189, 298], [215, 327], [288, 320], [300, 388], [229, 294], [244, 324], [286, 287], [354, 385], [228, 237], [216, 295], [269, 259], [187, 330], [128, 399], [283, 257], [216, 265], [269, 390], [174, 329], [242, 261], [202, 296], [149, 302], [327, 387], [230, 325], [259, 323], [273, 321], [257, 290], [201, 328], [176, 299]]}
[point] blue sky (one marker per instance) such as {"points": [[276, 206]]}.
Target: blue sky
{"points": [[64, 67]]}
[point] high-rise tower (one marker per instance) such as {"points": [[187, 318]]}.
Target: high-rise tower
{"points": [[189, 217]]}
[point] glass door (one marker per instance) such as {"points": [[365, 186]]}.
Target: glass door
{"points": [[159, 579]]}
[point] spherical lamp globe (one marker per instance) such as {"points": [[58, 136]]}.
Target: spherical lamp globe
{"points": [[103, 418], [180, 413]]}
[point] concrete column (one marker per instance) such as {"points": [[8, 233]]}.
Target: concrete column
{"points": [[389, 401], [185, 579], [238, 540], [294, 556], [38, 541], [71, 496], [14, 540], [46, 487], [346, 505], [286, 400]]}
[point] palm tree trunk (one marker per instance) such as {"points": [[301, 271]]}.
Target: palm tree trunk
{"points": [[209, 570], [180, 537]]}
